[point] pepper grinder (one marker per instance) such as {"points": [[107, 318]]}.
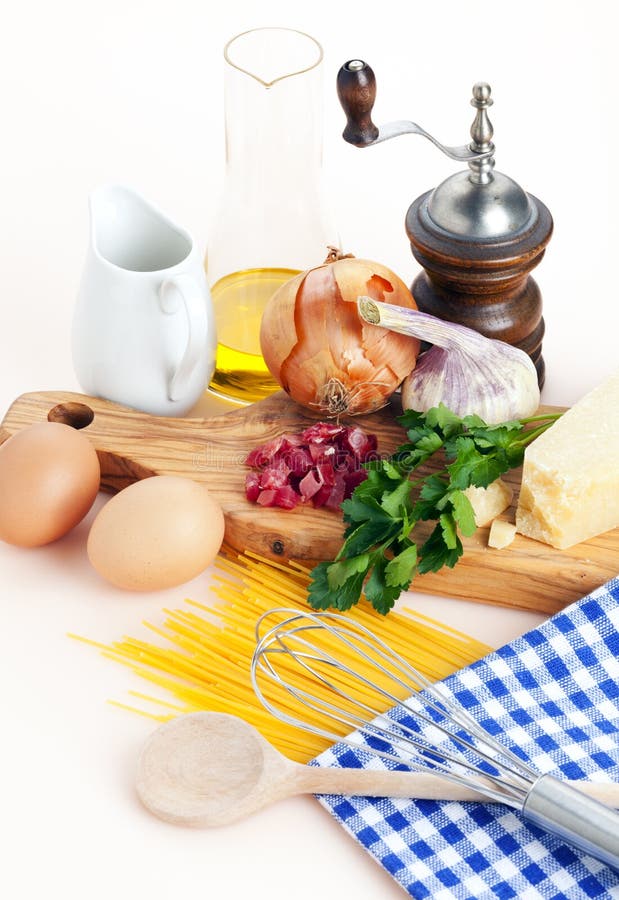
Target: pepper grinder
{"points": [[478, 235]]}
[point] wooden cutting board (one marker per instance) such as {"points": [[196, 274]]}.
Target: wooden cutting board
{"points": [[133, 445]]}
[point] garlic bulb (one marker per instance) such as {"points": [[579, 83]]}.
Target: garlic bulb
{"points": [[469, 373]]}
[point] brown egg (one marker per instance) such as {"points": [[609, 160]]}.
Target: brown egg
{"points": [[49, 478], [156, 533]]}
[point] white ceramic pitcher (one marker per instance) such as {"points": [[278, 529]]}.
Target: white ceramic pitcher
{"points": [[143, 328]]}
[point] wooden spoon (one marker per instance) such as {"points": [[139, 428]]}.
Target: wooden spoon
{"points": [[205, 769]]}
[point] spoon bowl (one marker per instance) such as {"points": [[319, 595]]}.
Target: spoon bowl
{"points": [[207, 769]]}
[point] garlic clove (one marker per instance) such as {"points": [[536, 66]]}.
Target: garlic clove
{"points": [[467, 372]]}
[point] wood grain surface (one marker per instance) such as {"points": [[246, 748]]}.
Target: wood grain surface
{"points": [[132, 445]]}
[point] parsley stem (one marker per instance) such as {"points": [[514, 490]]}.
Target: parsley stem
{"points": [[550, 417], [414, 484], [535, 432]]}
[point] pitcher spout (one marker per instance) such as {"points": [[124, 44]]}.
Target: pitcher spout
{"points": [[128, 232]]}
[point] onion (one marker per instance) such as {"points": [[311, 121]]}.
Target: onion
{"points": [[321, 352]]}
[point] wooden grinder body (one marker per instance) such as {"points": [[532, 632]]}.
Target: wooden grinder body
{"points": [[483, 284]]}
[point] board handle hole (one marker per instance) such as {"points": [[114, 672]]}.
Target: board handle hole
{"points": [[77, 415]]}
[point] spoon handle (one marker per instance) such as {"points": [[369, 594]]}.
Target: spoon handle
{"points": [[410, 785]]}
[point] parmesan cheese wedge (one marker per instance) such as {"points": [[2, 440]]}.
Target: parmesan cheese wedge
{"points": [[570, 478], [490, 502], [501, 535]]}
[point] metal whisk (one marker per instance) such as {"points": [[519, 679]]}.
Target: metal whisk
{"points": [[337, 668]]}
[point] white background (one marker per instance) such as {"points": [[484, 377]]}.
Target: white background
{"points": [[132, 92]]}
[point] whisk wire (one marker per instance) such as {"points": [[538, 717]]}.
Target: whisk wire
{"points": [[407, 737], [290, 641]]}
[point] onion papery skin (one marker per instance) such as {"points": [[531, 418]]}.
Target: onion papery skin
{"points": [[322, 353]]}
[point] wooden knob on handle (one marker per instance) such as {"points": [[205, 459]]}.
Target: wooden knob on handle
{"points": [[356, 89]]}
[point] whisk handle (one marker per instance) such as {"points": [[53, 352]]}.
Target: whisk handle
{"points": [[576, 818]]}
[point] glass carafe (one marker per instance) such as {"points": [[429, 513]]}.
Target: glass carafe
{"points": [[272, 222]]}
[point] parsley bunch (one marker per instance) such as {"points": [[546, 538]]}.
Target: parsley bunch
{"points": [[379, 555]]}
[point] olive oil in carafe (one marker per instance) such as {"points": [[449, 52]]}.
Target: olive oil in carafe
{"points": [[239, 300]]}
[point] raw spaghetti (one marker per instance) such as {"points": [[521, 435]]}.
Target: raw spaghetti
{"points": [[206, 666]]}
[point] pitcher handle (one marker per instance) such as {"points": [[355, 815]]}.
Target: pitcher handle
{"points": [[185, 287]]}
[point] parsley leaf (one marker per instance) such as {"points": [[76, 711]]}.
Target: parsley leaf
{"points": [[463, 512], [435, 553], [321, 596], [378, 591], [449, 530], [341, 571], [395, 501], [360, 509], [366, 536], [443, 419], [400, 570]]}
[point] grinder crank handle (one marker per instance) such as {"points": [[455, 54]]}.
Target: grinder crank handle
{"points": [[356, 89]]}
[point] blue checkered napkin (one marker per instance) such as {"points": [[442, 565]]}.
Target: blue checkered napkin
{"points": [[554, 695]]}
